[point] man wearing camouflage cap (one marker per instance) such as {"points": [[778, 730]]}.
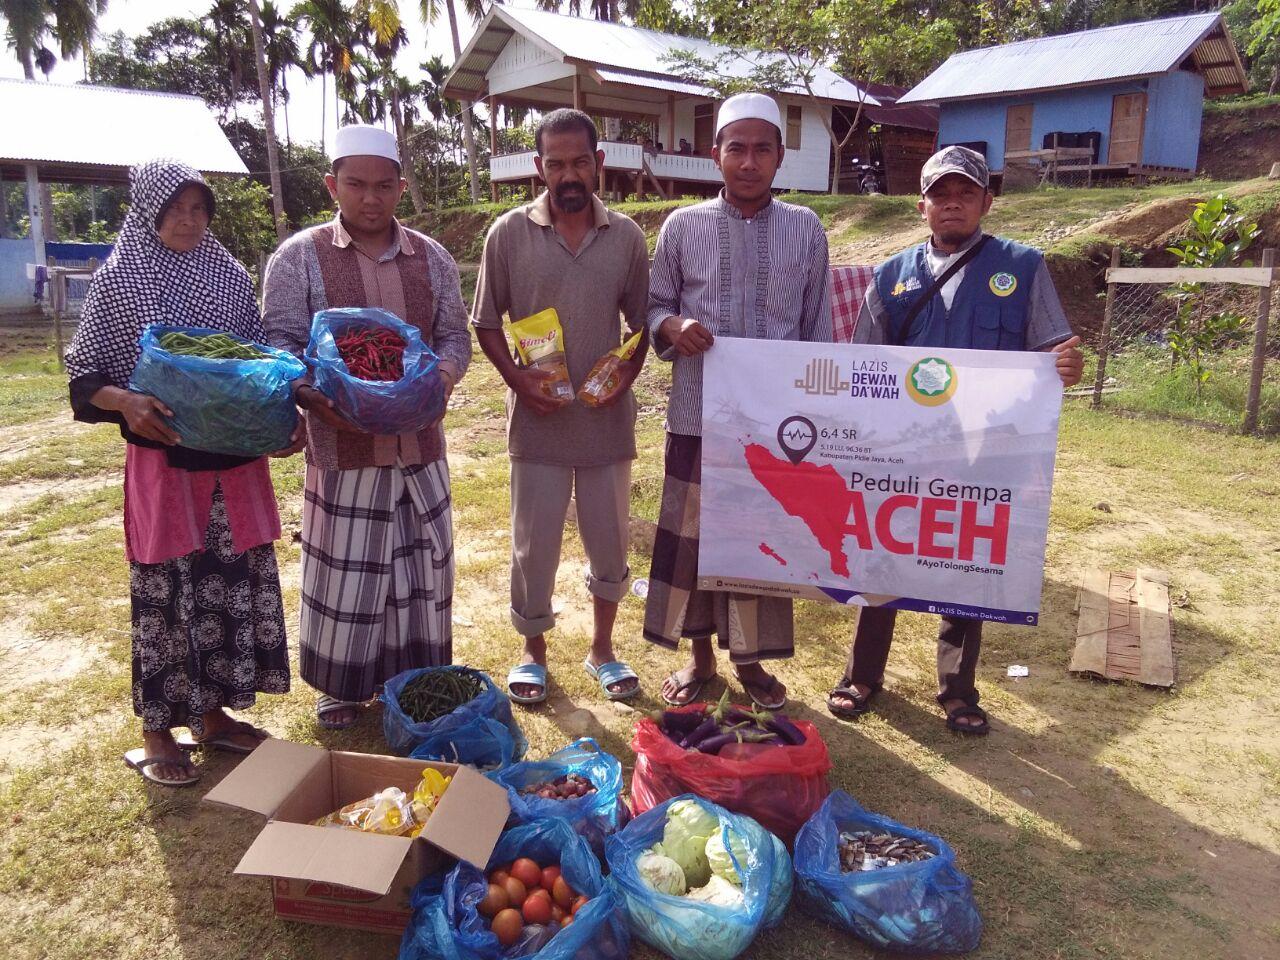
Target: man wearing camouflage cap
{"points": [[961, 289]]}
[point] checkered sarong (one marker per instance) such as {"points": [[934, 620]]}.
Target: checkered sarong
{"points": [[750, 627], [848, 289], [377, 576]]}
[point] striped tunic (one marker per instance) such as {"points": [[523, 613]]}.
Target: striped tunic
{"points": [[766, 277]]}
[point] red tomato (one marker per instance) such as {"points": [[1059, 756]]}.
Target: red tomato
{"points": [[577, 905], [499, 876], [527, 872], [563, 894], [549, 877], [506, 926], [515, 892], [537, 908], [495, 901]]}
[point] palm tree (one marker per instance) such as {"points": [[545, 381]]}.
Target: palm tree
{"points": [[475, 9], [268, 117], [73, 23], [331, 26], [281, 42]]}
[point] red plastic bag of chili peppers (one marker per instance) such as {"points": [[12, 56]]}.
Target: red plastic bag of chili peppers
{"points": [[779, 786], [376, 369]]}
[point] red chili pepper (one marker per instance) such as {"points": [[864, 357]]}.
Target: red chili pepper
{"points": [[372, 353]]}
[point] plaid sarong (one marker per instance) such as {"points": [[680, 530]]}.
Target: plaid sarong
{"points": [[750, 627], [848, 290], [377, 576]]}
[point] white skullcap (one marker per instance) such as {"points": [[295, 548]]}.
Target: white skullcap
{"points": [[363, 140], [748, 106]]}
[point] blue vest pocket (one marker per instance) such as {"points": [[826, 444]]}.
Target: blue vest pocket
{"points": [[987, 323], [1013, 327]]}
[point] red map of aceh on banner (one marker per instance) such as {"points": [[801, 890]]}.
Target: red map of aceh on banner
{"points": [[817, 495]]}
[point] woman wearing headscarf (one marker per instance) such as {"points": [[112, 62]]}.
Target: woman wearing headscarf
{"points": [[208, 623]]}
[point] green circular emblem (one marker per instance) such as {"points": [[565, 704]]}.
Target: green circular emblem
{"points": [[1003, 284], [931, 382]]}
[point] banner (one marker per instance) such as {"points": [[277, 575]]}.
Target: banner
{"points": [[916, 478]]}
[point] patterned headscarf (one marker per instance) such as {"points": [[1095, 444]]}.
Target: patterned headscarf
{"points": [[144, 282]]}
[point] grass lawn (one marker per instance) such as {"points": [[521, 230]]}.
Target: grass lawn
{"points": [[1097, 820]]}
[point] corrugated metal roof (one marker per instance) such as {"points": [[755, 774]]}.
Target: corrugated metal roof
{"points": [[109, 127], [652, 83], [594, 42], [1092, 56]]}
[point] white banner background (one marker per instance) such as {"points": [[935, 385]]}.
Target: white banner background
{"points": [[776, 492]]}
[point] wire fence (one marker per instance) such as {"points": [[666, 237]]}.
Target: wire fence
{"points": [[1206, 350]]}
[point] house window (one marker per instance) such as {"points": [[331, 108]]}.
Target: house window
{"points": [[793, 127], [703, 128]]}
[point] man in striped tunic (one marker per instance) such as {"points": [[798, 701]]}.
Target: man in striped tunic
{"points": [[741, 265], [377, 530]]}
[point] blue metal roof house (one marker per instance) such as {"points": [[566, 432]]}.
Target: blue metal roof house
{"points": [[1134, 93]]}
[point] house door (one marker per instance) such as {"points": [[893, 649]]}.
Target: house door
{"points": [[704, 120], [1128, 116], [1017, 127]]}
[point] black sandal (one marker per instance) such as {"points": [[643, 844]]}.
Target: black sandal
{"points": [[968, 710], [695, 684], [861, 703]]}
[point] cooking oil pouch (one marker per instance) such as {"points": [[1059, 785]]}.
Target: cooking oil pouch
{"points": [[540, 343], [603, 378]]}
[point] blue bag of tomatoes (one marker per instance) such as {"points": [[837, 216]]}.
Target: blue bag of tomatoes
{"points": [[451, 713], [925, 906], [579, 783], [228, 395], [376, 369], [698, 882], [472, 918]]}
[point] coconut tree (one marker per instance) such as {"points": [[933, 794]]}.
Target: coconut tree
{"points": [[28, 23], [475, 9], [280, 41], [268, 116], [330, 52]]}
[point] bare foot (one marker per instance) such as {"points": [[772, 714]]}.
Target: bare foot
{"points": [[842, 701], [684, 685], [763, 687], [176, 766], [598, 657], [535, 651], [972, 723], [218, 724]]}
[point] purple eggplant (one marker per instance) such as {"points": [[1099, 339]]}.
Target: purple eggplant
{"points": [[705, 729], [679, 721], [786, 730], [718, 742]]}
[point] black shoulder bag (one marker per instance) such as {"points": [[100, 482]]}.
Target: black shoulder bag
{"points": [[937, 285]]}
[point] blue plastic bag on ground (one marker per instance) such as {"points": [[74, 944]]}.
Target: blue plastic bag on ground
{"points": [[687, 929], [382, 407], [243, 408], [923, 907], [446, 926], [480, 733], [594, 816]]}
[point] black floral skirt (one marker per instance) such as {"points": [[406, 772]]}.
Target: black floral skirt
{"points": [[208, 630]]}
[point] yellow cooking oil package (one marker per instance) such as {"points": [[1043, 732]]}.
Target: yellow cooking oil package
{"points": [[540, 343], [603, 378], [392, 811]]}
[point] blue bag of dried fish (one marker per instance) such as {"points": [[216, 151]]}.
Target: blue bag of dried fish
{"points": [[884, 882]]}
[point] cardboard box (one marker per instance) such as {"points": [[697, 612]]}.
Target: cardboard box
{"points": [[346, 878]]}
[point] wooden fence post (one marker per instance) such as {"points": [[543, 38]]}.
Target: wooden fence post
{"points": [[1259, 346], [1104, 344]]}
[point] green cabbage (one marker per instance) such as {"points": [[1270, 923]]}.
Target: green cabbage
{"points": [[684, 839], [718, 857], [718, 892], [662, 873]]}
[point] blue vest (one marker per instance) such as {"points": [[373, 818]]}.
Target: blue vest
{"points": [[989, 311]]}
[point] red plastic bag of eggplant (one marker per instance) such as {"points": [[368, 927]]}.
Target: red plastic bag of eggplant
{"points": [[763, 765]]}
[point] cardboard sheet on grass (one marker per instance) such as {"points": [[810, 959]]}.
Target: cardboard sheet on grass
{"points": [[1123, 631], [916, 478], [346, 878]]}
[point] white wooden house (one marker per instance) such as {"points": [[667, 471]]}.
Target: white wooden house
{"points": [[543, 61]]}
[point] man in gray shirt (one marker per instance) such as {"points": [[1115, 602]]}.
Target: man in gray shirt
{"points": [[741, 265], [960, 289]]}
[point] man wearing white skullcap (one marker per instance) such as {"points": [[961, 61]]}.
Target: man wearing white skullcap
{"points": [[741, 265], [377, 534]]}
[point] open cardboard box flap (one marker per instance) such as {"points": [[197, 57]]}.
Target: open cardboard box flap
{"points": [[366, 861], [263, 779], [470, 816]]}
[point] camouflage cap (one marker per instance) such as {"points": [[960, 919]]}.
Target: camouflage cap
{"points": [[968, 163]]}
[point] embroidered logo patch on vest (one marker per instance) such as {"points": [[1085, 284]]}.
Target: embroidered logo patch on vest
{"points": [[931, 382], [1003, 284], [905, 286]]}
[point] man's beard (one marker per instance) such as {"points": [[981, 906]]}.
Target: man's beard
{"points": [[571, 197]]}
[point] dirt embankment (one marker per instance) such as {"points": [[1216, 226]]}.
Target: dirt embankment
{"points": [[1239, 144]]}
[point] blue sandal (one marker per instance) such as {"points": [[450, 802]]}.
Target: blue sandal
{"points": [[533, 674], [615, 671]]}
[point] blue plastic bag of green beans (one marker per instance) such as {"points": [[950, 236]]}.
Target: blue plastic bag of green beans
{"points": [[921, 907], [480, 732], [227, 405]]}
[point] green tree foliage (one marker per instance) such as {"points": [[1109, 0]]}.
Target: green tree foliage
{"points": [[242, 218], [305, 195], [73, 24]]}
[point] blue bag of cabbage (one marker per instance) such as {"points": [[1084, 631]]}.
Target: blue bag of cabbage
{"points": [[921, 907], [594, 815], [233, 406], [481, 733], [446, 925], [698, 882], [375, 406]]}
